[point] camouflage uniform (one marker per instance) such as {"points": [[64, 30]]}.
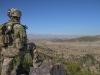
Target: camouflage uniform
{"points": [[18, 47], [10, 53]]}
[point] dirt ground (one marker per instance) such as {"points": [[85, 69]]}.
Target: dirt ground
{"points": [[67, 49]]}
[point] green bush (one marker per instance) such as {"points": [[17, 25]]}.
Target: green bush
{"points": [[88, 60], [27, 60], [73, 68]]}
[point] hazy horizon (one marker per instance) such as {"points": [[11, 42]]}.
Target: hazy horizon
{"points": [[48, 36]]}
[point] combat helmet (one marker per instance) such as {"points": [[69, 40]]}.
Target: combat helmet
{"points": [[14, 13]]}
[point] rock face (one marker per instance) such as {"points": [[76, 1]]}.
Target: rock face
{"points": [[48, 67]]}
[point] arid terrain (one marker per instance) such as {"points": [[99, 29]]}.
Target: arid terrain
{"points": [[68, 48]]}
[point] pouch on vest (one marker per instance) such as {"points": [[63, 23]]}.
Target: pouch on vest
{"points": [[2, 37]]}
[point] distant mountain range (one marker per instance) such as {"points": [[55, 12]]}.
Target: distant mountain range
{"points": [[78, 39], [49, 36], [85, 39]]}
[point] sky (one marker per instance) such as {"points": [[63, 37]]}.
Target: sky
{"points": [[67, 17]]}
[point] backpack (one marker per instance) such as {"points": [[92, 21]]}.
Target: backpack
{"points": [[7, 37]]}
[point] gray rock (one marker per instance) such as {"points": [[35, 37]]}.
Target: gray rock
{"points": [[48, 67]]}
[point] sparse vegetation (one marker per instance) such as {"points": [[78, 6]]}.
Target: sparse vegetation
{"points": [[78, 57], [72, 68]]}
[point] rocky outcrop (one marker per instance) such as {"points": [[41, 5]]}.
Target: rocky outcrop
{"points": [[48, 67]]}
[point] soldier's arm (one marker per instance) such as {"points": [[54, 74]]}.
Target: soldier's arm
{"points": [[22, 34]]}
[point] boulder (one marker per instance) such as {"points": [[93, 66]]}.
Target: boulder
{"points": [[48, 67]]}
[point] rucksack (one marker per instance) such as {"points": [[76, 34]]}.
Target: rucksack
{"points": [[6, 37]]}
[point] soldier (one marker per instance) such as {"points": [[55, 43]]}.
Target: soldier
{"points": [[15, 42]]}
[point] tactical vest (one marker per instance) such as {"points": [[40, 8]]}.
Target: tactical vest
{"points": [[10, 37], [2, 43]]}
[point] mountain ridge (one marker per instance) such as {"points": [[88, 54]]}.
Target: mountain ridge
{"points": [[60, 36]]}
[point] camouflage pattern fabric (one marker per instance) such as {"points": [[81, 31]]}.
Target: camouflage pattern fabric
{"points": [[6, 66], [10, 53], [14, 12], [19, 32], [19, 37], [16, 32]]}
